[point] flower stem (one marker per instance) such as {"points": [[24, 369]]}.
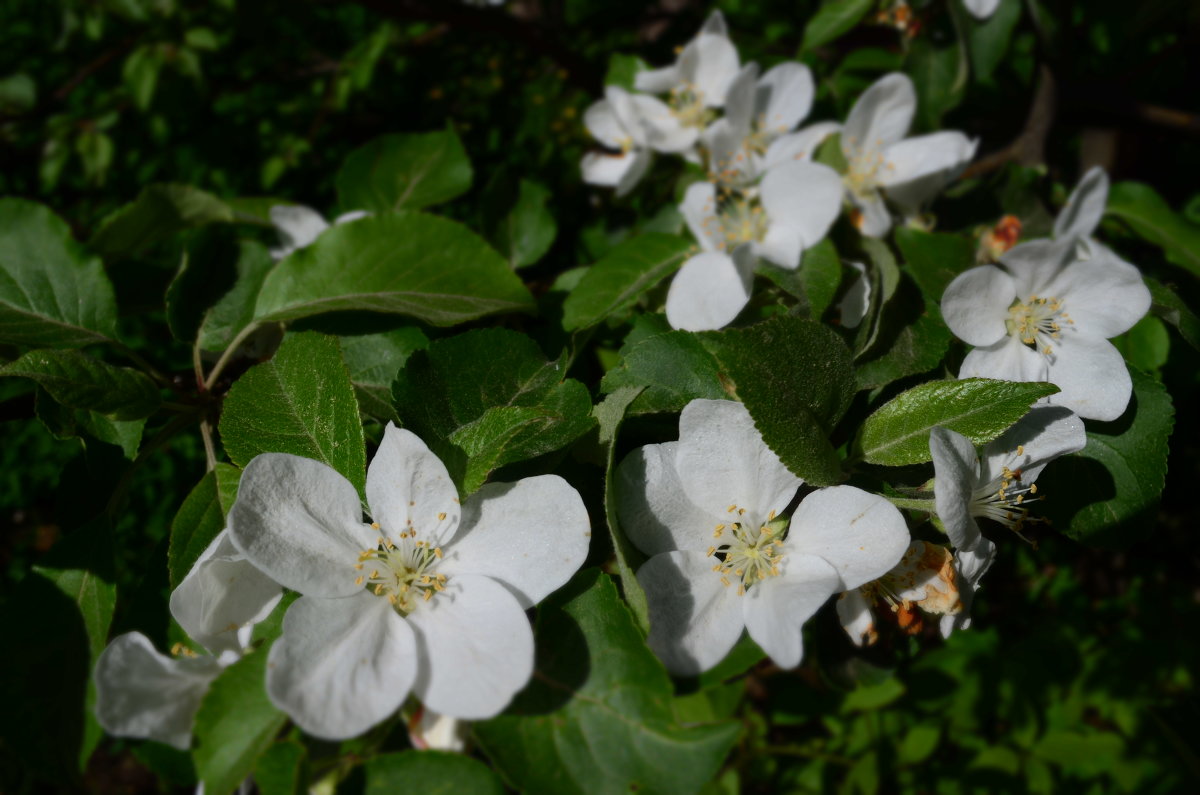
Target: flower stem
{"points": [[227, 355]]}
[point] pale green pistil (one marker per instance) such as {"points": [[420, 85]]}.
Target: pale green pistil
{"points": [[750, 554], [403, 574]]}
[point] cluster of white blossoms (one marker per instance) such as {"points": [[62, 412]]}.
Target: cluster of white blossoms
{"points": [[764, 197], [428, 599], [711, 511], [1048, 309]]}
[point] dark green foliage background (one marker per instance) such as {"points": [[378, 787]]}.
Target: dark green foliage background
{"points": [[1078, 674]]}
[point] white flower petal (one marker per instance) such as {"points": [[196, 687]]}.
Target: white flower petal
{"points": [[699, 208], [298, 226], [710, 63], [476, 648], [663, 131], [873, 219], [694, 619], [222, 593], [1007, 360], [917, 169], [621, 171], [722, 461], [1045, 433], [775, 609], [1085, 206], [141, 693], [955, 476], [341, 665], [970, 566], [602, 121], [800, 145], [802, 201], [708, 292], [715, 24], [854, 304], [658, 81], [784, 97], [861, 535], [298, 521], [1104, 295], [739, 100], [409, 489], [981, 9], [1092, 376], [654, 511], [1034, 265], [857, 618], [730, 164], [881, 116], [531, 536], [975, 305], [350, 217]]}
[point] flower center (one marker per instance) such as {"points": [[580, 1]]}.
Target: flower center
{"points": [[687, 105], [862, 171], [1004, 499], [1038, 321], [748, 553], [404, 572], [741, 219]]}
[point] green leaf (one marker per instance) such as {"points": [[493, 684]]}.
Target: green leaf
{"points": [[916, 342], [623, 69], [1152, 219], [140, 73], [18, 93], [829, 153], [597, 715], [1167, 304], [488, 398], [160, 212], [622, 276], [816, 281], [979, 408], [610, 413], [940, 76], [918, 744], [91, 589], [672, 369], [301, 402], [1146, 345], [867, 697], [79, 381], [205, 274], [404, 172], [834, 18], [52, 293], [67, 423], [795, 377], [200, 518], [439, 773], [988, 38], [374, 360], [280, 769], [236, 722], [526, 233], [934, 260], [1107, 494], [235, 309], [411, 264]]}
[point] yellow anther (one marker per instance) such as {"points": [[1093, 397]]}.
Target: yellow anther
{"points": [[711, 551], [441, 516], [427, 595], [731, 509], [358, 580], [375, 525], [438, 552]]}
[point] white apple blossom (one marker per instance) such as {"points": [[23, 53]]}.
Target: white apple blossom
{"points": [[699, 80], [707, 510], [981, 9], [430, 597], [300, 226], [880, 160], [791, 210], [1046, 314], [141, 693], [620, 121]]}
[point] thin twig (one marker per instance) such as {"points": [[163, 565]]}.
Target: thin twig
{"points": [[219, 367]]}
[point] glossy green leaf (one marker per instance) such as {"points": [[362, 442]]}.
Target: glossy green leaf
{"points": [[934, 259], [404, 172], [796, 379], [280, 769], [52, 293], [597, 716], [301, 402], [1107, 494], [68, 423], [374, 360], [989, 38], [1167, 304], [489, 398], [623, 275], [439, 773], [411, 264], [978, 408], [79, 381], [834, 18], [200, 518], [672, 369], [234, 310], [1152, 219], [158, 213], [236, 722], [940, 76], [527, 231], [915, 342], [1146, 345], [816, 281]]}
